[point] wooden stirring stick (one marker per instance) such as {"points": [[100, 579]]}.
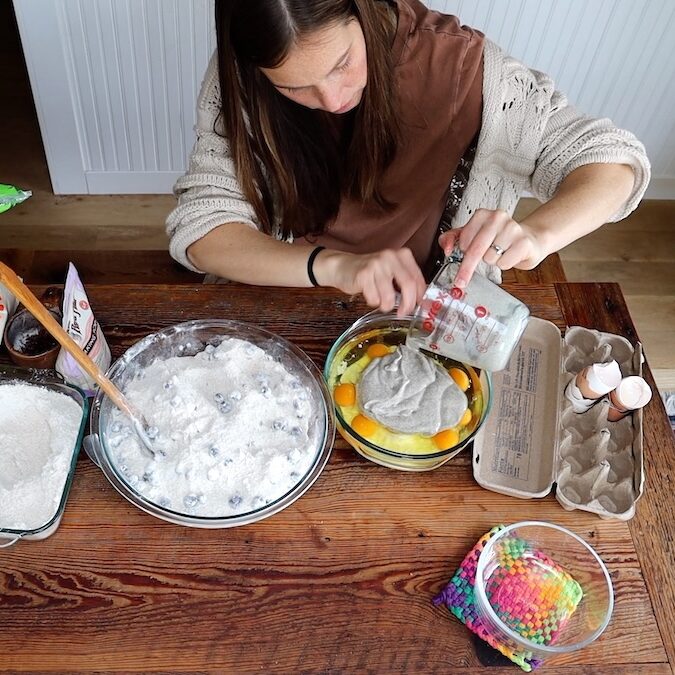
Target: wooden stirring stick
{"points": [[45, 317]]}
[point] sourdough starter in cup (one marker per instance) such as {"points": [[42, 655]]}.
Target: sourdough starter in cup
{"points": [[479, 325]]}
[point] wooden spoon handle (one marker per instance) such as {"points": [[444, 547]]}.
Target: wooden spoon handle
{"points": [[46, 318]]}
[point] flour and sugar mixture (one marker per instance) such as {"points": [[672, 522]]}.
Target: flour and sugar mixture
{"points": [[237, 431], [38, 432]]}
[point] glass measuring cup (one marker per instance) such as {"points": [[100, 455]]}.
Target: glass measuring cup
{"points": [[479, 325]]}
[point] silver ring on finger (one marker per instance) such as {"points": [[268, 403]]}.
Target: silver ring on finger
{"points": [[498, 249]]}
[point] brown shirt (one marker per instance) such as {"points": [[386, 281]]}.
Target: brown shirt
{"points": [[439, 73]]}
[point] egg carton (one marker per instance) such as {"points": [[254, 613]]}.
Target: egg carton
{"points": [[533, 440]]}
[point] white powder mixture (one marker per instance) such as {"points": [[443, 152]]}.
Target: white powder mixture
{"points": [[237, 431], [38, 431], [411, 393]]}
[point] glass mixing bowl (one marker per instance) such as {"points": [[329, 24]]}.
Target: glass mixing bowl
{"points": [[392, 330], [188, 339], [541, 590]]}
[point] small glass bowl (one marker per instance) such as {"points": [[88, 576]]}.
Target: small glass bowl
{"points": [[46, 349], [541, 590], [46, 379], [188, 339], [372, 322]]}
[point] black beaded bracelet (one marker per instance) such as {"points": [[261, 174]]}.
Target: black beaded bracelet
{"points": [[310, 264]]}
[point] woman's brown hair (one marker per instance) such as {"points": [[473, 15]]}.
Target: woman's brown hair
{"points": [[292, 167]]}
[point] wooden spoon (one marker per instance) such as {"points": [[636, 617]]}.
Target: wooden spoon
{"points": [[44, 316]]}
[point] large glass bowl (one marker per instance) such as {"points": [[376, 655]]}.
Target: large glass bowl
{"points": [[188, 339], [405, 461], [541, 590]]}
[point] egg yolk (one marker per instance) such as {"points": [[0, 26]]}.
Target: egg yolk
{"points": [[447, 438], [345, 394], [377, 350], [466, 418], [364, 426], [460, 377]]}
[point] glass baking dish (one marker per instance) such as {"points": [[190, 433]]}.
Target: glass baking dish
{"points": [[47, 379]]}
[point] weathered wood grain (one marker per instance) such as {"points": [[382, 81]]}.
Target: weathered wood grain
{"points": [[610, 244], [341, 581], [110, 267], [634, 278], [361, 555]]}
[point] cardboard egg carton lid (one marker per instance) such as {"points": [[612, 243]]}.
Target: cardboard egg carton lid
{"points": [[532, 439]]}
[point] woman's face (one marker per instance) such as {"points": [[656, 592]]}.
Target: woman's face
{"points": [[326, 70]]}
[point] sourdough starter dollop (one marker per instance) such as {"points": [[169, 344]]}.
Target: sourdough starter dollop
{"points": [[409, 392]]}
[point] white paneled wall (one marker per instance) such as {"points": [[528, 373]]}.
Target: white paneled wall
{"points": [[613, 58], [130, 72], [115, 81]]}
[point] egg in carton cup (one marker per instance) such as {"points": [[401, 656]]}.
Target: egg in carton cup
{"points": [[533, 438]]}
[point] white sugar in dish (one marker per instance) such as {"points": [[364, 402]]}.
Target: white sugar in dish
{"points": [[236, 431], [39, 429]]}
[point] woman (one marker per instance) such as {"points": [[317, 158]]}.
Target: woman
{"points": [[355, 139]]}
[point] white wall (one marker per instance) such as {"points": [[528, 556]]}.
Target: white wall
{"points": [[115, 81], [613, 58], [115, 84]]}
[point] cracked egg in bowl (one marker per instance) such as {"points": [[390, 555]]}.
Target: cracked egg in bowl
{"points": [[386, 412]]}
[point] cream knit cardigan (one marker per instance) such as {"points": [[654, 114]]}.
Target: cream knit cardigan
{"points": [[530, 139]]}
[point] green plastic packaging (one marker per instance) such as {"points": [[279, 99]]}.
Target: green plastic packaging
{"points": [[11, 196]]}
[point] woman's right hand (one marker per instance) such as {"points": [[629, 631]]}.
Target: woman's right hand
{"points": [[377, 276]]}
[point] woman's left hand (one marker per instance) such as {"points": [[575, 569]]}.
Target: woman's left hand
{"points": [[493, 236]]}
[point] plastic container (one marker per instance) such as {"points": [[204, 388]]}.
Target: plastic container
{"points": [[46, 380], [188, 339], [390, 329], [479, 325], [542, 581], [534, 439]]}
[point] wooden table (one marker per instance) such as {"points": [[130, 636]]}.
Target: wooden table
{"points": [[342, 580]]}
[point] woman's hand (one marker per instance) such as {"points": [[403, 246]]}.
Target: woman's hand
{"points": [[493, 236], [377, 276]]}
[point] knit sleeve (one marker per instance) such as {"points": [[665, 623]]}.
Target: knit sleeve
{"points": [[571, 139], [209, 193]]}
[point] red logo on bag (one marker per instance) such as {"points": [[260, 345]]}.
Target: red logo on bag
{"points": [[481, 311], [456, 293], [84, 304]]}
